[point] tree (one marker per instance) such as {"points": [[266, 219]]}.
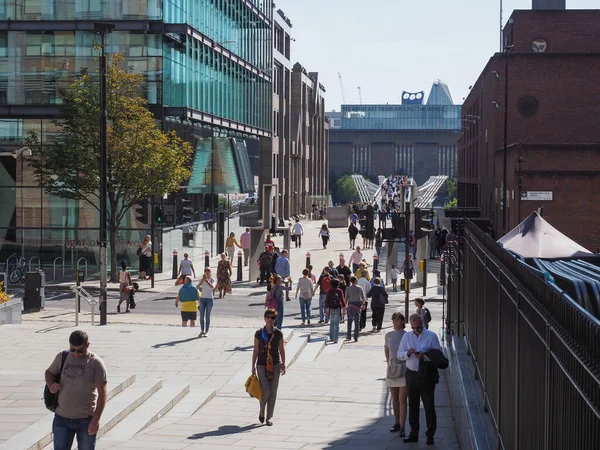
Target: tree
{"points": [[451, 184], [142, 159], [344, 190]]}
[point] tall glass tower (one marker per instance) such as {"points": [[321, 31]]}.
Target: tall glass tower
{"points": [[207, 66]]}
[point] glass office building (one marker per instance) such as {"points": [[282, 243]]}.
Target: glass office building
{"points": [[207, 71]]}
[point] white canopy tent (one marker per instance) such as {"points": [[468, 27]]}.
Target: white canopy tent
{"points": [[536, 238]]}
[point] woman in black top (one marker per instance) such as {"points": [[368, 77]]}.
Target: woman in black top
{"points": [[379, 299], [268, 360]]}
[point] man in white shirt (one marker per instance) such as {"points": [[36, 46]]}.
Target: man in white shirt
{"points": [[420, 383], [355, 260], [297, 232], [364, 283]]}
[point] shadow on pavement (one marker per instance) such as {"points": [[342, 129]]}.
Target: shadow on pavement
{"points": [[241, 349], [225, 430], [174, 343]]}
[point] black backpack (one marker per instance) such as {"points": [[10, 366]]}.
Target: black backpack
{"points": [[334, 300], [427, 315]]}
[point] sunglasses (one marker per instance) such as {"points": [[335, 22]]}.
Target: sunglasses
{"points": [[81, 351], [271, 317]]}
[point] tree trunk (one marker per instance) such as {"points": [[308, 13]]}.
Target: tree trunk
{"points": [[113, 254]]}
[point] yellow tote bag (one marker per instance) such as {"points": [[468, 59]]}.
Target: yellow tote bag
{"points": [[253, 387]]}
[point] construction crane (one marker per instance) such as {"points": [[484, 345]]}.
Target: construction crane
{"points": [[342, 87], [359, 94]]}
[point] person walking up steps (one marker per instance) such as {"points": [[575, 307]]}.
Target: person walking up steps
{"points": [[268, 362], [207, 300], [355, 297], [334, 305], [305, 288]]}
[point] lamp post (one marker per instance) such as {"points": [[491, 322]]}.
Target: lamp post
{"points": [[507, 49], [103, 29]]}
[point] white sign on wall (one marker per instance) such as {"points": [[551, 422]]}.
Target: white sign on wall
{"points": [[536, 195]]}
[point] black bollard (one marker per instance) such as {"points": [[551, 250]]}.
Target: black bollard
{"points": [[206, 258], [375, 262], [307, 259], [424, 277], [240, 262], [175, 267]]}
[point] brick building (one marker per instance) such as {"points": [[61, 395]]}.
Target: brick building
{"points": [[413, 138], [552, 132]]}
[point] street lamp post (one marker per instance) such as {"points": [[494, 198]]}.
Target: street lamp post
{"points": [[103, 29], [507, 49]]}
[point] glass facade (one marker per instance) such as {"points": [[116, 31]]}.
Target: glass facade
{"points": [[401, 117], [219, 65]]}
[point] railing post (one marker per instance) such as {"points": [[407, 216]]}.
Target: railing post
{"points": [[206, 258], [307, 259]]}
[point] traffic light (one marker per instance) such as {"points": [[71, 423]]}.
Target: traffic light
{"points": [[159, 215], [187, 212], [142, 211], [423, 222]]}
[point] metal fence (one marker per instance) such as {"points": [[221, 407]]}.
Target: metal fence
{"points": [[536, 354]]}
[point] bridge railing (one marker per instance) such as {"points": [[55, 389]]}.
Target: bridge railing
{"points": [[535, 353]]}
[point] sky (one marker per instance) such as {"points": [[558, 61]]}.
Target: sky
{"points": [[390, 46]]}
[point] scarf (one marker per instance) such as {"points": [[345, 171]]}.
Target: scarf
{"points": [[269, 366]]}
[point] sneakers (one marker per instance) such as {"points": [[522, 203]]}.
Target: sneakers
{"points": [[202, 334], [335, 341]]}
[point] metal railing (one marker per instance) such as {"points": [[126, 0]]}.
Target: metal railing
{"points": [[39, 264], [80, 292], [54, 267], [85, 266], [535, 353]]}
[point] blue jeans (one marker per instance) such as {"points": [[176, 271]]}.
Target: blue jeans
{"points": [[206, 305], [334, 323], [65, 431], [279, 321], [305, 308], [322, 315]]}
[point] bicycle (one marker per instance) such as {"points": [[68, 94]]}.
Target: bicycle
{"points": [[15, 268]]}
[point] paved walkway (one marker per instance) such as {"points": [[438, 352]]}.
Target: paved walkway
{"points": [[333, 396]]}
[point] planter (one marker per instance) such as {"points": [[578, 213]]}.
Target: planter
{"points": [[10, 312]]}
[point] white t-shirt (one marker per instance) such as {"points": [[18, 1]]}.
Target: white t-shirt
{"points": [[207, 291], [305, 285], [186, 267], [147, 249]]}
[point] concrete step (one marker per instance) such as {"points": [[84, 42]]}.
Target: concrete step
{"points": [[39, 434], [149, 412], [332, 349], [294, 347], [312, 350]]}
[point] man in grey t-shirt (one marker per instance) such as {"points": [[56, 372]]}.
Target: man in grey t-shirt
{"points": [[355, 297], [81, 394]]}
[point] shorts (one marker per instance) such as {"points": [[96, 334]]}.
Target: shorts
{"points": [[192, 315]]}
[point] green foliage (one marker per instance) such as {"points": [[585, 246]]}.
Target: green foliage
{"points": [[452, 203], [451, 185], [142, 159], [344, 190]]}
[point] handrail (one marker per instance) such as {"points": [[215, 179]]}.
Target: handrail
{"points": [[39, 264], [54, 267], [81, 292], [86, 265]]}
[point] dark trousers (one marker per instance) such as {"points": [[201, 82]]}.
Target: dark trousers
{"points": [[421, 389], [264, 274], [298, 240], [377, 316]]}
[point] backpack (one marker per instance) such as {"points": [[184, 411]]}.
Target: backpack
{"points": [[334, 300], [427, 315]]}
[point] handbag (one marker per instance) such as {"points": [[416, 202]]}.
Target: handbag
{"points": [[396, 368], [50, 399], [253, 387]]}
